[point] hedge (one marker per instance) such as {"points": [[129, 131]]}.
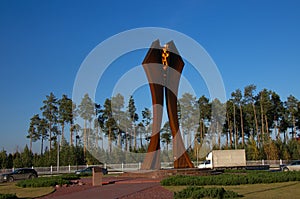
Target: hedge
{"points": [[200, 192], [47, 181], [232, 179], [8, 196]]}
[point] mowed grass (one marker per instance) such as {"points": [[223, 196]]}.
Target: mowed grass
{"points": [[11, 188], [259, 191]]}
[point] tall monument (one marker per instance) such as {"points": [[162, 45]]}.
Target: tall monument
{"points": [[163, 67]]}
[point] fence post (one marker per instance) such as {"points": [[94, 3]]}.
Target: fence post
{"points": [[122, 167], [139, 166], [105, 165], [280, 162], [69, 168], [263, 162], [51, 169]]}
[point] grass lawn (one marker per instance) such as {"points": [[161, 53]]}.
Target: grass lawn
{"points": [[11, 188], [259, 191]]}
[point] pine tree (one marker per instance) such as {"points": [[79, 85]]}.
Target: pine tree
{"points": [[65, 115], [50, 112], [86, 112], [133, 118], [33, 133]]}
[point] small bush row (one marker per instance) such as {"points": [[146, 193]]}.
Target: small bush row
{"points": [[8, 196], [47, 181], [200, 192], [232, 179]]}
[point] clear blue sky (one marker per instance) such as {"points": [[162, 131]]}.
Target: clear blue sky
{"points": [[43, 43]]}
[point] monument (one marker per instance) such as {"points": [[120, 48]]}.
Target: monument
{"points": [[163, 67]]}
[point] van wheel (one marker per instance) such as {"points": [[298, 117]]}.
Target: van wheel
{"points": [[10, 179], [285, 169]]}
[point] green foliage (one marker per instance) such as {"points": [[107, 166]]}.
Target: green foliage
{"points": [[50, 113], [200, 192], [17, 160], [8, 196], [232, 179], [263, 113], [252, 151], [26, 157], [47, 181], [3, 159]]}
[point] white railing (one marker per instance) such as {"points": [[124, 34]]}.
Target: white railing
{"points": [[125, 167], [272, 163]]}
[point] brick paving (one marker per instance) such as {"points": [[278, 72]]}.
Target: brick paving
{"points": [[125, 188]]}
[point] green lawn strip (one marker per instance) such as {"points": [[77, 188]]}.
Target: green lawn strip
{"points": [[257, 191], [266, 191], [195, 192], [11, 188]]}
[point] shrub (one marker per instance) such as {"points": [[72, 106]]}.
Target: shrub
{"points": [[200, 192], [47, 181], [8, 196], [70, 176]]}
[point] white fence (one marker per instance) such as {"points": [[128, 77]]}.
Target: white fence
{"points": [[125, 167]]}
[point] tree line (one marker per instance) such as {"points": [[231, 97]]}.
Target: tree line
{"points": [[260, 122]]}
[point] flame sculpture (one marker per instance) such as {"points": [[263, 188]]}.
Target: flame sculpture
{"points": [[163, 67]]}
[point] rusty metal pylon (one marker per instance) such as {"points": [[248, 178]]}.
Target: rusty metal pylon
{"points": [[163, 67]]}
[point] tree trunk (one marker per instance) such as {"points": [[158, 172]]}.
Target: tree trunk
{"points": [[84, 138], [255, 118], [130, 140], [242, 126], [167, 147], [97, 138], [71, 136], [227, 140], [134, 139], [219, 136], [62, 132], [119, 139], [89, 134], [126, 141], [109, 140], [230, 134], [234, 128], [30, 143], [42, 146], [141, 141], [294, 128], [277, 131], [228, 122], [189, 138], [229, 130], [262, 121], [267, 126], [50, 137], [102, 140], [201, 131]]}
